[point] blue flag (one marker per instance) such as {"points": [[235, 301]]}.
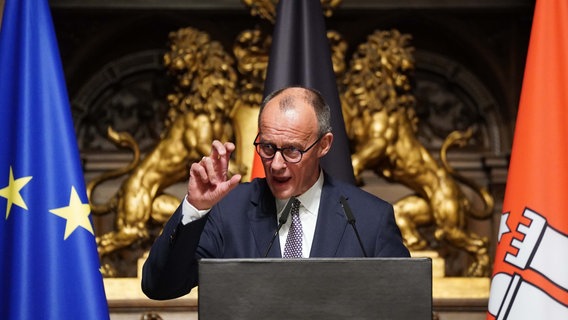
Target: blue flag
{"points": [[49, 266]]}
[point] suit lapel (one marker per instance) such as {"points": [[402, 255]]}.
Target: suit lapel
{"points": [[331, 222], [263, 222]]}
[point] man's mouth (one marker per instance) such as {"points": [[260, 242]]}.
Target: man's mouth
{"points": [[281, 179]]}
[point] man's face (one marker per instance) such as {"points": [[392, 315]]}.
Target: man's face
{"points": [[297, 127]]}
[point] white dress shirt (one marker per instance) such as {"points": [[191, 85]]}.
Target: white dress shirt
{"points": [[310, 201]]}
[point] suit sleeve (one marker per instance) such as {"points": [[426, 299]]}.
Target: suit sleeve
{"points": [[171, 268], [389, 239]]}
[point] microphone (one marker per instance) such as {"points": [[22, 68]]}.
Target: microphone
{"points": [[351, 220], [281, 221]]}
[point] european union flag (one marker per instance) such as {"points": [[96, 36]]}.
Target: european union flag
{"points": [[49, 266]]}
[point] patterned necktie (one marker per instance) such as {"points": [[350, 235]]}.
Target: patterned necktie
{"points": [[293, 246]]}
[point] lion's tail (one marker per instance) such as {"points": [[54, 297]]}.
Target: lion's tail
{"points": [[460, 138], [123, 140]]}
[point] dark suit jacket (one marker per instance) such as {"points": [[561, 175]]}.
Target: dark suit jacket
{"points": [[243, 223]]}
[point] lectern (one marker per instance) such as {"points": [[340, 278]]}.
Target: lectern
{"points": [[326, 288]]}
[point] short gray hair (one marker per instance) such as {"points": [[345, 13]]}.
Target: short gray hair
{"points": [[312, 97]]}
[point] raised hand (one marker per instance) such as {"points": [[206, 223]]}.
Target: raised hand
{"points": [[208, 182]]}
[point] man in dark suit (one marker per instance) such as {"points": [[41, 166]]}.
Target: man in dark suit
{"points": [[220, 218]]}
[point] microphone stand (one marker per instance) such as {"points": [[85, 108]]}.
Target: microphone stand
{"points": [[351, 220], [281, 222]]}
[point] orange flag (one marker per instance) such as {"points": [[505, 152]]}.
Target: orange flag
{"points": [[257, 170], [530, 276]]}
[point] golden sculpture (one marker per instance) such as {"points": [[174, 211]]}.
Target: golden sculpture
{"points": [[382, 126], [208, 104], [266, 9], [251, 50], [199, 113]]}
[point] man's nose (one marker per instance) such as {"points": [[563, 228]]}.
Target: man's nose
{"points": [[278, 161]]}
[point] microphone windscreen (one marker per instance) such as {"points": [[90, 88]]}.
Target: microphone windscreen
{"points": [[347, 209], [286, 211]]}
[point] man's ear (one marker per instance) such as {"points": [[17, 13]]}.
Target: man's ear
{"points": [[325, 144]]}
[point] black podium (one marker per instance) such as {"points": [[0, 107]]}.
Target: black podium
{"points": [[334, 288]]}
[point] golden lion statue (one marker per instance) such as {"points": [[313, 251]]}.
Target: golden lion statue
{"points": [[382, 126], [199, 113]]}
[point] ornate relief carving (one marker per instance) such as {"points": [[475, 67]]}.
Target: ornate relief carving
{"points": [[128, 95], [449, 97]]}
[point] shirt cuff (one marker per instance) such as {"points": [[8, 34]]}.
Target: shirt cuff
{"points": [[190, 213]]}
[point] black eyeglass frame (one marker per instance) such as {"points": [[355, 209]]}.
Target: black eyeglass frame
{"points": [[276, 149]]}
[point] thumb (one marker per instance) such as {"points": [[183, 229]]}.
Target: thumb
{"points": [[225, 187], [233, 182]]}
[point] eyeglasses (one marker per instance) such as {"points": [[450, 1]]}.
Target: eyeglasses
{"points": [[267, 151]]}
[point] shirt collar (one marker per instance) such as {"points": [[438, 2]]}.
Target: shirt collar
{"points": [[309, 199]]}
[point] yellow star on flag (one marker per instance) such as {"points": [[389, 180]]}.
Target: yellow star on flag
{"points": [[12, 192], [76, 214]]}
